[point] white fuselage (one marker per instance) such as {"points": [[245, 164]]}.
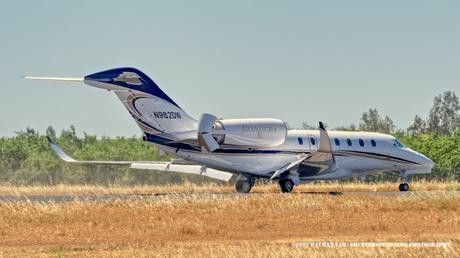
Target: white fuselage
{"points": [[253, 147], [368, 153]]}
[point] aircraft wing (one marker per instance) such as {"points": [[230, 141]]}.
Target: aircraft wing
{"points": [[299, 160], [325, 152], [322, 160], [179, 166]]}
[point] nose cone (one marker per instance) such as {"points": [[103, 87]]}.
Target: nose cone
{"points": [[423, 163], [428, 162], [425, 160]]}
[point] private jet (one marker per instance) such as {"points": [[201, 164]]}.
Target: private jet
{"points": [[245, 148]]}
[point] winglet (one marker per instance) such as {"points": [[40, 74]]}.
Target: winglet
{"points": [[65, 157], [324, 141], [59, 152], [321, 126], [50, 140]]}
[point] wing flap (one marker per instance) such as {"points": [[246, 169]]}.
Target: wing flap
{"points": [[187, 169]]}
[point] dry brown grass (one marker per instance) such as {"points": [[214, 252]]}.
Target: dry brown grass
{"points": [[326, 186], [231, 225]]}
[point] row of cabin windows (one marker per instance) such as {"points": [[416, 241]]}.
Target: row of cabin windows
{"points": [[312, 140], [337, 142], [360, 141]]}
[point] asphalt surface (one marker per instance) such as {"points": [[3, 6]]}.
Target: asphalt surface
{"points": [[180, 196]]}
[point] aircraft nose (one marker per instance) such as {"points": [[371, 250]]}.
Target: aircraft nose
{"points": [[427, 161], [423, 160]]}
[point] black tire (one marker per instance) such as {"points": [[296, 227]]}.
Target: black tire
{"points": [[404, 187], [286, 185], [243, 186]]}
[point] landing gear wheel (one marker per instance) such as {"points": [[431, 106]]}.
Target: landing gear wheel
{"points": [[404, 187], [243, 186], [286, 185]]}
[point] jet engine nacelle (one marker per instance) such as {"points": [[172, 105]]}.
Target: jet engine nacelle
{"points": [[251, 132]]}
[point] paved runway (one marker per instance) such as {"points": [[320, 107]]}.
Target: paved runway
{"points": [[180, 196]]}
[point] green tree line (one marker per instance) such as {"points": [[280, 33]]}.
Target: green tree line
{"points": [[27, 159]]}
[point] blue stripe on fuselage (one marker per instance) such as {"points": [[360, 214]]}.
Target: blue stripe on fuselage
{"points": [[183, 146]]}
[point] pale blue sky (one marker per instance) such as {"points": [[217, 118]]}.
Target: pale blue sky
{"points": [[293, 60]]}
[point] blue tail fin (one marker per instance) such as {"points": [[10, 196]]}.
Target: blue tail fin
{"points": [[154, 111]]}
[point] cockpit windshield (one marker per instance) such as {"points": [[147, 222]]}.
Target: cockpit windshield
{"points": [[398, 144]]}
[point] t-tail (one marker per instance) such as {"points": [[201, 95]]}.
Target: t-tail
{"points": [[153, 110]]}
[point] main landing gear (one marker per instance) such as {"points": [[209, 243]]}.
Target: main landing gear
{"points": [[286, 185], [244, 184]]}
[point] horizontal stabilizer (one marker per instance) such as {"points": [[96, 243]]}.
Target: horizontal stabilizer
{"points": [[68, 79]]}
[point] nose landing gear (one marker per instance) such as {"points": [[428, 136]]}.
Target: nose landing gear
{"points": [[404, 186]]}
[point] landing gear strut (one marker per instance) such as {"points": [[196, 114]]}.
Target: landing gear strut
{"points": [[244, 185], [286, 185]]}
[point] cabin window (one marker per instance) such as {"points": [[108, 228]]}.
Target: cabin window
{"points": [[349, 142], [337, 142], [373, 143], [361, 142], [313, 141], [300, 141]]}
